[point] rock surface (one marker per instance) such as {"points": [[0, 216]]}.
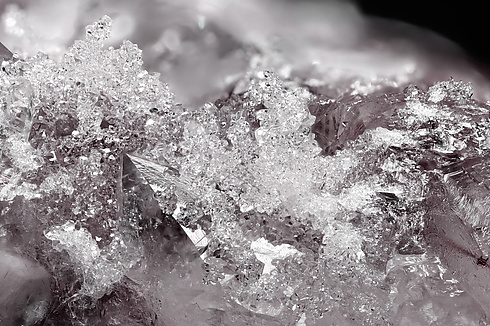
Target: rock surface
{"points": [[299, 193]]}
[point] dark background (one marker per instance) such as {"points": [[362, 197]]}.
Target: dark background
{"points": [[464, 22]]}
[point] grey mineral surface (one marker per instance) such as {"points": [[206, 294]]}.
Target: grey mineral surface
{"points": [[270, 175]]}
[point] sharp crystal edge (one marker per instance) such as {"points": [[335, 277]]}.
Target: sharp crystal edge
{"points": [[5, 53], [280, 192]]}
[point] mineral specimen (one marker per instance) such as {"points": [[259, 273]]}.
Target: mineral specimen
{"points": [[286, 200]]}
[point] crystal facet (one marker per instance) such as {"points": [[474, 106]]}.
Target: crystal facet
{"points": [[287, 193]]}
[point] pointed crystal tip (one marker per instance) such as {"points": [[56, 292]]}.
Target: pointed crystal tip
{"points": [[100, 30], [5, 53]]}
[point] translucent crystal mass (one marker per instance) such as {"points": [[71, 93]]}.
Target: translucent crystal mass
{"points": [[285, 202]]}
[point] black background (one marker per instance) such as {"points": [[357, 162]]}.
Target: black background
{"points": [[464, 22]]}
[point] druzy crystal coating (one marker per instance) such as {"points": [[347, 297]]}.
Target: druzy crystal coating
{"points": [[278, 204]]}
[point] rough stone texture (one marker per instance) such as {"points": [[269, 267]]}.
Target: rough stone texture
{"points": [[284, 201]]}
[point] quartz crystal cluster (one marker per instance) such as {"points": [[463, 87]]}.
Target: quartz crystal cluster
{"points": [[286, 201]]}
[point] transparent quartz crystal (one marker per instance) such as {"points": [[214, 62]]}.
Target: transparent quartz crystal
{"points": [[279, 203]]}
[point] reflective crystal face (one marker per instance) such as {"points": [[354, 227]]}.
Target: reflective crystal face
{"points": [[287, 199]]}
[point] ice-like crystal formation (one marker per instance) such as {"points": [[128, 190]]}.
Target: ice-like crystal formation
{"points": [[284, 202]]}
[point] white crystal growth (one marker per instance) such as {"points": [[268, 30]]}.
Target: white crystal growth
{"points": [[287, 193], [266, 253]]}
